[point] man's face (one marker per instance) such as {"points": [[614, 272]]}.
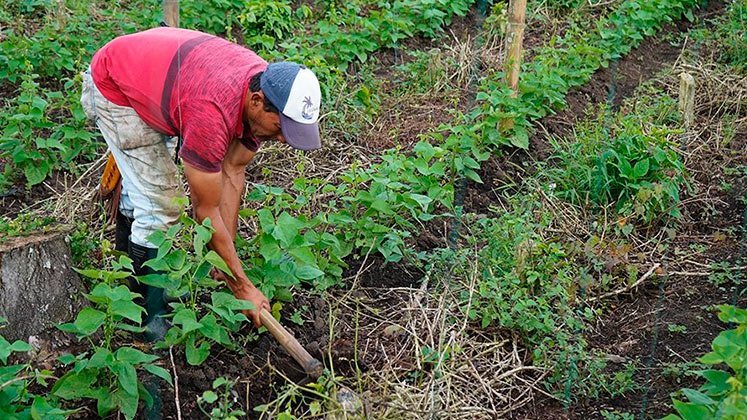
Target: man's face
{"points": [[264, 125]]}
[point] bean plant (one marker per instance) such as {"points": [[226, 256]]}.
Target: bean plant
{"points": [[17, 400], [108, 373], [183, 269], [724, 394]]}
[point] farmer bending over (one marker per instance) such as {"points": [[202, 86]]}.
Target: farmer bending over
{"points": [[166, 92]]}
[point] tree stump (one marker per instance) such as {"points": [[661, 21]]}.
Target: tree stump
{"points": [[38, 288]]}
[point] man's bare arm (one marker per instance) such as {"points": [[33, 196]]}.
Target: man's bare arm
{"points": [[234, 179], [206, 191]]}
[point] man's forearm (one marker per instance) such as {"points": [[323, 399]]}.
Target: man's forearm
{"points": [[233, 190], [207, 194]]}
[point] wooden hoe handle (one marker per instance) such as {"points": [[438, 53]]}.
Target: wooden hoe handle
{"points": [[310, 365]]}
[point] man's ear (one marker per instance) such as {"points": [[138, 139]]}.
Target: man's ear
{"points": [[257, 98]]}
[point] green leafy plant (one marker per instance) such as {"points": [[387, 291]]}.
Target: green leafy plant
{"points": [[615, 415], [222, 399], [23, 224], [213, 16], [186, 278], [294, 401], [292, 249], [32, 141], [109, 374], [632, 164], [680, 370], [526, 282], [721, 273], [725, 37], [597, 379], [17, 400], [84, 246], [43, 46], [677, 328], [724, 395], [267, 22]]}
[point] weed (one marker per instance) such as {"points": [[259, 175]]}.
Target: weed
{"points": [[615, 415], [596, 379], [726, 38], [311, 400], [296, 316], [676, 328], [83, 246], [23, 224], [526, 282], [680, 370], [222, 398], [426, 73], [631, 164], [721, 273]]}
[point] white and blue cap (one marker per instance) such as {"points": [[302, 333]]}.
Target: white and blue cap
{"points": [[295, 92]]}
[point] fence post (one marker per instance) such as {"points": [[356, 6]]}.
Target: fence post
{"points": [[517, 10], [687, 99], [171, 13]]}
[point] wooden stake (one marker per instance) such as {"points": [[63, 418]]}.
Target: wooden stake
{"points": [[171, 13], [687, 99], [517, 10]]}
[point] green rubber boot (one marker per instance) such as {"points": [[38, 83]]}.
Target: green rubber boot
{"points": [[155, 325], [153, 301]]}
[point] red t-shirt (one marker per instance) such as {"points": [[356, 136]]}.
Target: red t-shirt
{"points": [[182, 82]]}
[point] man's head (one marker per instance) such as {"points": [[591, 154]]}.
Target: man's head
{"points": [[283, 102]]}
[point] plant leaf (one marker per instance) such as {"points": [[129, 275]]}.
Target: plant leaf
{"points": [[89, 320], [690, 411], [74, 385], [520, 138], [197, 355], [160, 372], [698, 397], [127, 309], [187, 319], [127, 377], [133, 356], [213, 258], [307, 272], [641, 168]]}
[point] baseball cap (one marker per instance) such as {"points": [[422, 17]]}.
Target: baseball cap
{"points": [[295, 92]]}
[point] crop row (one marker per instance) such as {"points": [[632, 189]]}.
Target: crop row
{"points": [[377, 208], [46, 129]]}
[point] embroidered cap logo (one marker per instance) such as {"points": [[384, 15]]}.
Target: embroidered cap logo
{"points": [[307, 104]]}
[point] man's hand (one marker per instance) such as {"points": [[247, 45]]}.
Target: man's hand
{"points": [[255, 296], [246, 291]]}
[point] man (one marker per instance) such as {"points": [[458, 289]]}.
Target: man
{"points": [[222, 101]]}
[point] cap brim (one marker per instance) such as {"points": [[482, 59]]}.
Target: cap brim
{"points": [[300, 136]]}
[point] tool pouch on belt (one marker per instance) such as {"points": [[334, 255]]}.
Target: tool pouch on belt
{"points": [[110, 188]]}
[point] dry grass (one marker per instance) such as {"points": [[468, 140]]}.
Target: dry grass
{"points": [[419, 357]]}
